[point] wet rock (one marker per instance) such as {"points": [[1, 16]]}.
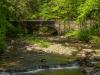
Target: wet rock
{"points": [[84, 72], [63, 65], [8, 70], [88, 70], [1, 70], [16, 70], [55, 66], [97, 58], [21, 70], [43, 66], [32, 68], [43, 60]]}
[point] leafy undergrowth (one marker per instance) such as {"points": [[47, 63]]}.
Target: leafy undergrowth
{"points": [[83, 36], [31, 39]]}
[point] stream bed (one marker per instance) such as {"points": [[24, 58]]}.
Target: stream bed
{"points": [[61, 69], [42, 69]]}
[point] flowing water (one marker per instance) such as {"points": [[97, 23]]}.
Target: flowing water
{"points": [[69, 69], [49, 71]]}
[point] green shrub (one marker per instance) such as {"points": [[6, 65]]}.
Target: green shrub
{"points": [[95, 40], [72, 34], [83, 35], [94, 30], [2, 46], [33, 39], [2, 40], [14, 31]]}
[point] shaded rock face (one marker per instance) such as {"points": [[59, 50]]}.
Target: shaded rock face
{"points": [[90, 71], [85, 58], [88, 68]]}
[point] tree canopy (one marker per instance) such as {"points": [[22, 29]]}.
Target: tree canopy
{"points": [[77, 10]]}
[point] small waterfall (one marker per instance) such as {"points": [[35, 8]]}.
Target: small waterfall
{"points": [[40, 70]]}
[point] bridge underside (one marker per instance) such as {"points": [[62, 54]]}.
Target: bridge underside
{"points": [[37, 25]]}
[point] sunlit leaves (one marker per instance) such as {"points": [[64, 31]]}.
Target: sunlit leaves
{"points": [[86, 8]]}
